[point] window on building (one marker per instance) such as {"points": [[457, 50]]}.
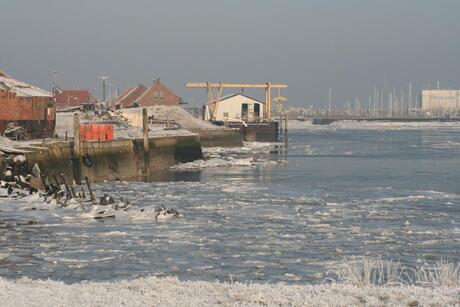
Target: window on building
{"points": [[256, 110], [244, 110]]}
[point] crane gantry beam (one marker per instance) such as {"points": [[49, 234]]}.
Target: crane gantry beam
{"points": [[218, 86], [233, 85]]}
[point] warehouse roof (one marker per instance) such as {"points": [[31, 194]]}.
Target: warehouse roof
{"points": [[225, 97], [21, 89], [73, 97]]}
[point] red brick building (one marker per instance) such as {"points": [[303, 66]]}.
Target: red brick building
{"points": [[72, 98], [158, 94], [140, 96], [128, 97], [25, 105]]}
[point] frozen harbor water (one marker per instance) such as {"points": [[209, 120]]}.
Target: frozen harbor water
{"points": [[383, 190]]}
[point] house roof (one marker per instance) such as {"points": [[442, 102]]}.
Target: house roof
{"points": [[66, 95], [225, 97], [151, 92], [21, 89], [130, 95]]}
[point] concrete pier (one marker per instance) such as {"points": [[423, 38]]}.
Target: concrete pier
{"points": [[114, 160], [220, 137]]}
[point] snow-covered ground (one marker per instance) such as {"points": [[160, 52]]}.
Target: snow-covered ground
{"points": [[64, 126], [169, 113], [169, 291]]}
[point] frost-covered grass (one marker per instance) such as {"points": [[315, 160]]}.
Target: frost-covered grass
{"points": [[154, 291], [365, 272], [443, 273], [358, 282]]}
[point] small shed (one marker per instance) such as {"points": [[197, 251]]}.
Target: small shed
{"points": [[238, 107]]}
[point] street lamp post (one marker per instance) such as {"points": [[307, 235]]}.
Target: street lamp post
{"points": [[103, 78]]}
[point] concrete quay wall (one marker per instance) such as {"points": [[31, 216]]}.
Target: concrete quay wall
{"points": [[114, 160], [220, 137]]}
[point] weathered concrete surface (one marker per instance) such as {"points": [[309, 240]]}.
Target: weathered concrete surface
{"points": [[220, 137], [264, 132], [115, 160], [53, 159]]}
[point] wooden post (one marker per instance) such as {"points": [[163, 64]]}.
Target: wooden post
{"points": [[145, 128], [269, 101], [76, 149], [281, 123], [76, 134], [57, 196], [69, 193], [285, 124], [266, 101], [83, 195], [91, 193]]}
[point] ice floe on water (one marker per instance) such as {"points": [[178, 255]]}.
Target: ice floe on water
{"points": [[249, 155], [222, 162], [373, 125], [258, 224]]}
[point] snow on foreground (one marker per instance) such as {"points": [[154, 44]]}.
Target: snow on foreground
{"points": [[169, 291]]}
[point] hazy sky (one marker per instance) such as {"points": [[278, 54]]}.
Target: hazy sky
{"points": [[348, 45]]}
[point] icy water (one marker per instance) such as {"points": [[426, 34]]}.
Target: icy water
{"points": [[350, 189]]}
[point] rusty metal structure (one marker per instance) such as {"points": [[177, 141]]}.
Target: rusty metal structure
{"points": [[27, 106]]}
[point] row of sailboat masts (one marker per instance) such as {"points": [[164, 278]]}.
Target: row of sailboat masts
{"points": [[214, 90], [380, 103]]}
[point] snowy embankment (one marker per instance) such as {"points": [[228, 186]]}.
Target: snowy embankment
{"points": [[154, 291]]}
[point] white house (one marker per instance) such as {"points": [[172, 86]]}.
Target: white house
{"points": [[236, 107]]}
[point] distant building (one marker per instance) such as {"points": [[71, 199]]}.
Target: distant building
{"points": [[25, 105], [128, 98], [443, 102], [141, 96], [71, 98], [158, 94], [237, 107]]}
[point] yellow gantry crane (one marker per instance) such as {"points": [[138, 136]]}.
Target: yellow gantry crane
{"points": [[279, 101], [214, 90]]}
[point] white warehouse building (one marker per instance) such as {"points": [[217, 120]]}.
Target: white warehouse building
{"points": [[440, 101], [237, 107]]}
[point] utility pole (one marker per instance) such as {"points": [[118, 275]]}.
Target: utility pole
{"points": [[55, 79], [330, 101], [103, 78]]}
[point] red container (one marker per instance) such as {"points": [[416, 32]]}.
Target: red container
{"points": [[101, 132], [85, 132], [82, 132], [96, 132], [109, 132]]}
